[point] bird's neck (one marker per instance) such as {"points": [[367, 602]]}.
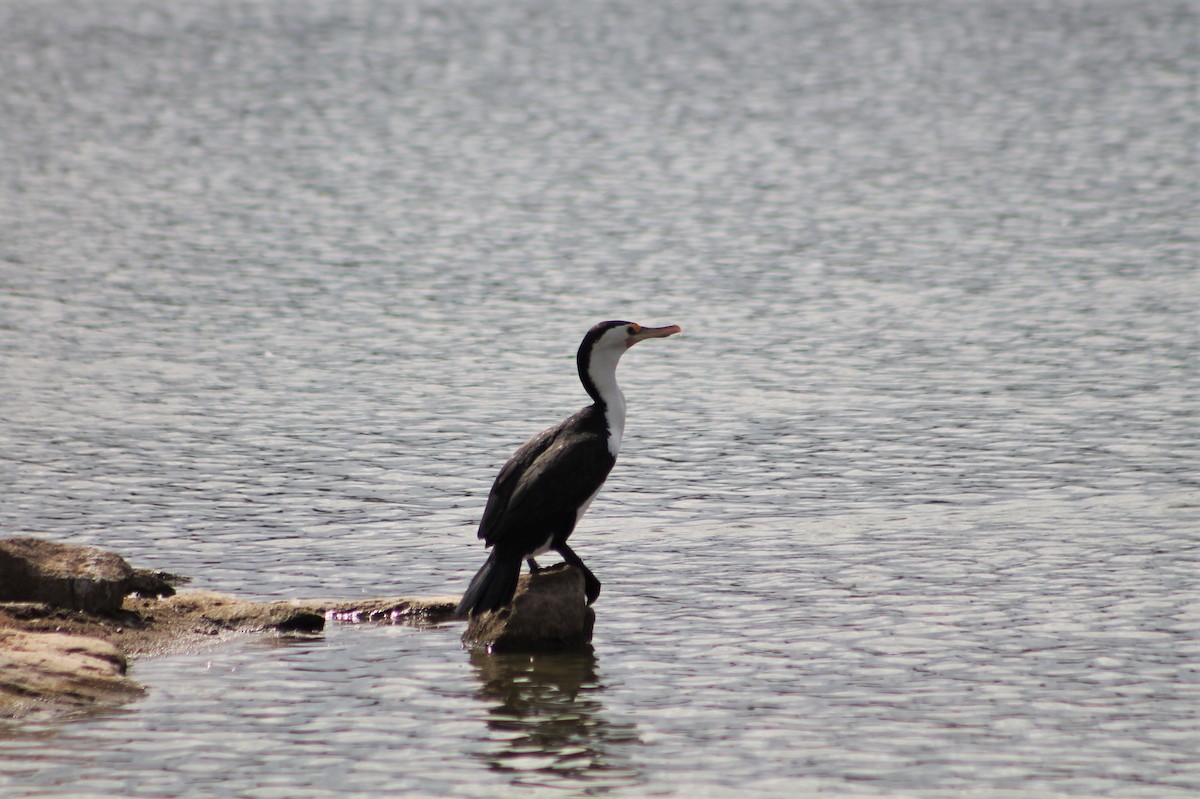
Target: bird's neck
{"points": [[600, 381]]}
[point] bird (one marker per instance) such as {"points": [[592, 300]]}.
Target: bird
{"points": [[544, 489]]}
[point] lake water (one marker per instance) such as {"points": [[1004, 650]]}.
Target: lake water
{"points": [[911, 508]]}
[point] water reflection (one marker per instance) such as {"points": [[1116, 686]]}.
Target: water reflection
{"points": [[547, 724]]}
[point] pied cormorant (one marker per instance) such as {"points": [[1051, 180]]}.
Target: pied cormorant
{"points": [[546, 486]]}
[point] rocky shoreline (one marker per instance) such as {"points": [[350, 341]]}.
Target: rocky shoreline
{"points": [[72, 617]]}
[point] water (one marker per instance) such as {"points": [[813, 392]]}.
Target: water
{"points": [[911, 508]]}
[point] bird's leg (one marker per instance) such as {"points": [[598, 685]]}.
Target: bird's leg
{"points": [[591, 586], [533, 567]]}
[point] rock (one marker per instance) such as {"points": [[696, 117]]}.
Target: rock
{"points": [[236, 615], [77, 577], [410, 610], [154, 584], [45, 674], [548, 612]]}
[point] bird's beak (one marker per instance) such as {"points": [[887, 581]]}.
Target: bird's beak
{"points": [[652, 332]]}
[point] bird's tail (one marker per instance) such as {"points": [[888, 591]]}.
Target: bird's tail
{"points": [[493, 585]]}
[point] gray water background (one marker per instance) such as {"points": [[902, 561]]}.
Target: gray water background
{"points": [[911, 509]]}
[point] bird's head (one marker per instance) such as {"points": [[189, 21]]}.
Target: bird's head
{"points": [[604, 345], [620, 336]]}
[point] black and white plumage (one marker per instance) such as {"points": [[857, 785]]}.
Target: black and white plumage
{"points": [[547, 485]]}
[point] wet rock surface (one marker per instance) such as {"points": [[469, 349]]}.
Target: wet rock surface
{"points": [[547, 613]]}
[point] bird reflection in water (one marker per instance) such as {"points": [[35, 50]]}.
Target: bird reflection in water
{"points": [[546, 722]]}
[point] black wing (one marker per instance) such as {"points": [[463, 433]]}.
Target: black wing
{"points": [[509, 477], [538, 491]]}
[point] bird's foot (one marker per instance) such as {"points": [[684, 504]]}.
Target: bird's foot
{"points": [[591, 587]]}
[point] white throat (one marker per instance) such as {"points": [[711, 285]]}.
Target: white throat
{"points": [[603, 372]]}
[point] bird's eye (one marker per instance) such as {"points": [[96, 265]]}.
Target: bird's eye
{"points": [[634, 329]]}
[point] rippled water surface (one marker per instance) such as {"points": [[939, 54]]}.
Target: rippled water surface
{"points": [[912, 508]]}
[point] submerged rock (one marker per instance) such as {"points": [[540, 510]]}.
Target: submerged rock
{"points": [[548, 612]]}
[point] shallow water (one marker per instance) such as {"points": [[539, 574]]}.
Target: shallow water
{"points": [[910, 509]]}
